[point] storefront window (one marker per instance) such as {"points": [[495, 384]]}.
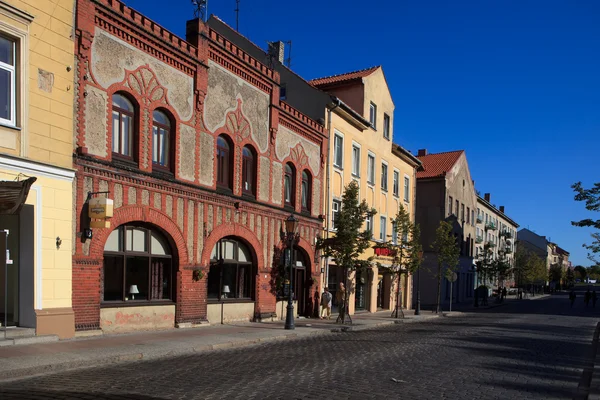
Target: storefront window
{"points": [[231, 271]]}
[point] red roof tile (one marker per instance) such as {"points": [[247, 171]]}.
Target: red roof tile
{"points": [[348, 76], [438, 164]]}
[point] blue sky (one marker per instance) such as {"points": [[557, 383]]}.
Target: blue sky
{"points": [[514, 83]]}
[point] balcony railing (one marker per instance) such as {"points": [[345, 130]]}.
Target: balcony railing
{"points": [[490, 244], [478, 239], [508, 250], [506, 234], [479, 219], [490, 226]]}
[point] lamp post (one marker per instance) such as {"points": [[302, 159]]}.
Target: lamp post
{"points": [[418, 308], [291, 224]]}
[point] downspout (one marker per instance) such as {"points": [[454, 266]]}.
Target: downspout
{"points": [[336, 103]]}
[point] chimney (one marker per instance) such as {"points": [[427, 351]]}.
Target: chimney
{"points": [[502, 209], [193, 30], [487, 197], [276, 50], [422, 152]]}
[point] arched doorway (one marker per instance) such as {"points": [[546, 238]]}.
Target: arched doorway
{"points": [[139, 266], [231, 274], [301, 275]]}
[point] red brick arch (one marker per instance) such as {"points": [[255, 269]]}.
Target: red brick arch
{"points": [[128, 214], [236, 230]]}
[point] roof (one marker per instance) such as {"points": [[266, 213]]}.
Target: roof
{"points": [[436, 165], [346, 77], [496, 210]]}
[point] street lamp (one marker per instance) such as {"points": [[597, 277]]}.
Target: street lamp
{"points": [[418, 308], [291, 224]]}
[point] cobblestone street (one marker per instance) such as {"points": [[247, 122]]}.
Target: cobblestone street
{"points": [[531, 349]]}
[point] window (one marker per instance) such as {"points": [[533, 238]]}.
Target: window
{"points": [[305, 191], [462, 212], [394, 232], [230, 274], [137, 266], [468, 215], [248, 171], [473, 217], [355, 160], [450, 205], [382, 229], [123, 114], [335, 210], [369, 223], [371, 169], [289, 185], [373, 115], [396, 183], [406, 189], [7, 80], [386, 126], [223, 163], [161, 139], [338, 151], [282, 92], [405, 237], [384, 177], [456, 210]]}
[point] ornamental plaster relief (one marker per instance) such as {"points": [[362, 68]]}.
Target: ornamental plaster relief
{"points": [[207, 159], [95, 121], [187, 148], [112, 57], [316, 194], [224, 91], [277, 182], [287, 140], [263, 187]]}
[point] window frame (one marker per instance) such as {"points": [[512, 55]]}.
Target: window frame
{"points": [[406, 188], [133, 127], [382, 228], [338, 137], [396, 183], [373, 115], [308, 181], [386, 126], [220, 262], [336, 206], [168, 166], [371, 169], [12, 70], [394, 233], [355, 161], [450, 205], [226, 162], [384, 179], [249, 166], [292, 179], [369, 224]]}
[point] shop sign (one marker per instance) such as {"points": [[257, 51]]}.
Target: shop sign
{"points": [[100, 210], [384, 252]]}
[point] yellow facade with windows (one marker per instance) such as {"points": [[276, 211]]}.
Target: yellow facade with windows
{"points": [[36, 140], [360, 123]]}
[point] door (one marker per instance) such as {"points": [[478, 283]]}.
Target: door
{"points": [[359, 298], [300, 290], [9, 271]]}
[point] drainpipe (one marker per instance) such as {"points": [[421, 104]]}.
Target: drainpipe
{"points": [[336, 104]]}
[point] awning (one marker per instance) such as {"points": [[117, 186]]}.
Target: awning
{"points": [[13, 195]]}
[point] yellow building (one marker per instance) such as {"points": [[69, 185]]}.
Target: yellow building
{"points": [[360, 124], [36, 145]]}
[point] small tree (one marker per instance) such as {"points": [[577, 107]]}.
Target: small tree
{"points": [[570, 277], [350, 241], [591, 197], [555, 273], [581, 271], [447, 252], [406, 251]]}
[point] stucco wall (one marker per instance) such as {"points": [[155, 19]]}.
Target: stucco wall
{"points": [[143, 318], [231, 312]]}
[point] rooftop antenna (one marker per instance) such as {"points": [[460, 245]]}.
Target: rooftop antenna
{"points": [[201, 10], [237, 15], [288, 61]]}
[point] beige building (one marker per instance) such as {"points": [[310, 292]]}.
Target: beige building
{"points": [[36, 144], [496, 233], [360, 123]]}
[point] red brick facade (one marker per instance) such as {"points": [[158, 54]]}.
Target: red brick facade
{"points": [[192, 214]]}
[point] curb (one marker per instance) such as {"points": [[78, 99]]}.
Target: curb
{"points": [[592, 368]]}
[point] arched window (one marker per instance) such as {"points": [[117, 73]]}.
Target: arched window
{"points": [[248, 171], [224, 163], [289, 185], [137, 266], [161, 139], [123, 116], [306, 190], [231, 271]]}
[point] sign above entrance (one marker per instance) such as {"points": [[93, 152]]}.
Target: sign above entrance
{"points": [[100, 209], [384, 252]]}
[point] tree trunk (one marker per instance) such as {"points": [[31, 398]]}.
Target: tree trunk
{"points": [[439, 289], [397, 295]]}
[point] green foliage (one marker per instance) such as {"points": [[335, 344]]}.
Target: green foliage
{"points": [[591, 197], [529, 267], [570, 277], [581, 272], [447, 252], [555, 273]]}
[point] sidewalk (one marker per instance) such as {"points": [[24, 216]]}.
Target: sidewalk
{"points": [[25, 360]]}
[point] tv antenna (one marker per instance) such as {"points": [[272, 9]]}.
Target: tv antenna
{"points": [[288, 60], [201, 10], [237, 15]]}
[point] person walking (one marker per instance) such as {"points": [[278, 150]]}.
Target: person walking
{"points": [[326, 299], [340, 298], [504, 293], [594, 298], [587, 297], [572, 297]]}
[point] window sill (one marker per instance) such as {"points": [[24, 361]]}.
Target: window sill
{"points": [[13, 127], [136, 303], [338, 167], [355, 176], [396, 195], [386, 138], [228, 301], [248, 195], [224, 190]]}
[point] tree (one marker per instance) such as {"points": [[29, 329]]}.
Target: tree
{"points": [[447, 252], [529, 267], [591, 197], [581, 271], [405, 250], [555, 274], [570, 277], [350, 241]]}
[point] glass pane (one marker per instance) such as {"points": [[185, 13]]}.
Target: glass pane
{"points": [[221, 142], [113, 278], [160, 279], [244, 281], [288, 189], [161, 118], [5, 94], [113, 243], [214, 280], [126, 133], [158, 245], [305, 194], [288, 169], [155, 144], [243, 253], [228, 250], [213, 253], [7, 51], [115, 132], [122, 102], [248, 153], [229, 287], [136, 240], [136, 278], [165, 148]]}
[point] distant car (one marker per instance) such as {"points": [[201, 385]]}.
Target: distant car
{"points": [[577, 280], [591, 280]]}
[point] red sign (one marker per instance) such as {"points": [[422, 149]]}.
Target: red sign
{"points": [[384, 252]]}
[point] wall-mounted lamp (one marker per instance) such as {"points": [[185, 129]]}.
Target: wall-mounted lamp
{"points": [[58, 242]]}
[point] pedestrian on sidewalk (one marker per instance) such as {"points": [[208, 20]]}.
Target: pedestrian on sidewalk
{"points": [[587, 297], [594, 298], [572, 297], [504, 292], [340, 298], [326, 299]]}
